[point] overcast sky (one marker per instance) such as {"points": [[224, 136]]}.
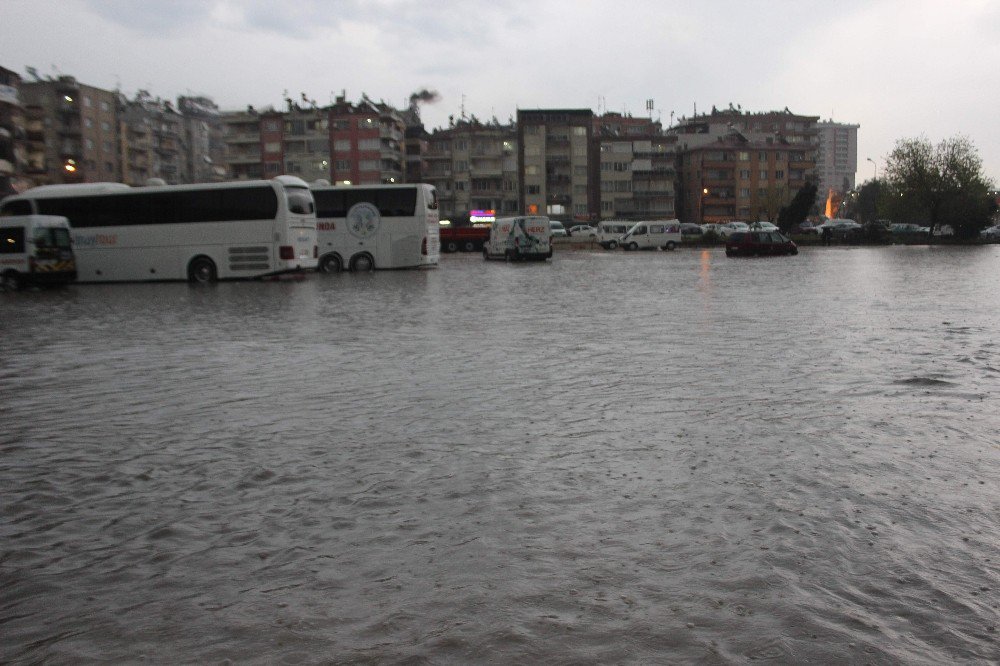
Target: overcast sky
{"points": [[898, 68]]}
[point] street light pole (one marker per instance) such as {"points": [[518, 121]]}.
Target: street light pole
{"points": [[876, 168]]}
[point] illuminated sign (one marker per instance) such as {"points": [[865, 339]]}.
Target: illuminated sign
{"points": [[482, 216]]}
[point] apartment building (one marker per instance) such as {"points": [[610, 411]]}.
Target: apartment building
{"points": [[635, 168], [72, 132], [473, 166], [556, 163], [367, 141], [12, 132], [836, 157], [153, 141], [268, 143], [206, 149], [736, 165]]}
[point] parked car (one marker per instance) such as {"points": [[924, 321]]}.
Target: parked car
{"points": [[711, 227], [841, 228], [903, 228], [763, 226], [759, 243], [729, 228], [807, 228], [583, 230], [557, 229], [991, 233], [691, 229]]}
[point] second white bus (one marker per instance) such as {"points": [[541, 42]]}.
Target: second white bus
{"points": [[199, 233], [368, 227]]}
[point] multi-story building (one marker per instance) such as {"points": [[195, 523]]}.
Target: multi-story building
{"points": [[11, 132], [72, 132], [268, 143], [367, 142], [473, 166], [837, 157], [743, 166], [206, 150], [556, 165], [154, 141], [636, 168]]}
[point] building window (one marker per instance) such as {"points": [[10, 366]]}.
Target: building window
{"points": [[532, 151], [272, 147], [745, 174], [368, 165], [763, 174], [779, 174], [341, 125], [531, 130], [342, 165], [366, 123], [534, 189], [743, 156], [270, 125], [744, 192], [368, 144], [531, 170], [343, 145]]}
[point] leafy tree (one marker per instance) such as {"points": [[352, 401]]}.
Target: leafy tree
{"points": [[797, 210], [944, 182]]}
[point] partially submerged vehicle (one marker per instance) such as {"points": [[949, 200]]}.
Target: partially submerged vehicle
{"points": [[526, 237], [35, 250]]}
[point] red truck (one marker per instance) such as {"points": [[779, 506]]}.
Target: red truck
{"points": [[466, 239]]}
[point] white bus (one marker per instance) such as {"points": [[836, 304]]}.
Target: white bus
{"points": [[200, 233], [368, 227]]}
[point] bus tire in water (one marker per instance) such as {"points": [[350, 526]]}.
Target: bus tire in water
{"points": [[202, 270], [362, 263], [10, 281], [330, 263]]}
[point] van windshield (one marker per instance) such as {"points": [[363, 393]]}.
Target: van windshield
{"points": [[52, 237]]}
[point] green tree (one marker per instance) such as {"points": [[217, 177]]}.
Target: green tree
{"points": [[944, 184], [798, 208]]}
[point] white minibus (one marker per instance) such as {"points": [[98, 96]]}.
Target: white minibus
{"points": [[527, 237]]}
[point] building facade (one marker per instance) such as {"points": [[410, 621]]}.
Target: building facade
{"points": [[556, 163], [12, 132], [736, 165], [72, 132], [473, 166], [636, 168], [206, 149], [367, 141], [836, 157]]}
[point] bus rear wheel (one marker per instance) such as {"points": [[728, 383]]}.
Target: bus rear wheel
{"points": [[362, 263], [10, 281], [330, 264], [201, 270], [670, 246]]}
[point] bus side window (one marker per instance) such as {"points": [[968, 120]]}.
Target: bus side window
{"points": [[19, 207]]}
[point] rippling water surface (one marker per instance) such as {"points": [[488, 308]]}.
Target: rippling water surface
{"points": [[609, 458]]}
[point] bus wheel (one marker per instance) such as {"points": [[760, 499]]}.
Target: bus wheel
{"points": [[469, 246], [11, 281], [330, 263], [670, 245], [362, 263], [202, 270], [612, 245]]}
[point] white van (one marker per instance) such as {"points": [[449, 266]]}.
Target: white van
{"points": [[35, 249], [610, 231], [646, 235], [523, 237]]}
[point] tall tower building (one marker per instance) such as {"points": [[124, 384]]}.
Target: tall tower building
{"points": [[837, 160]]}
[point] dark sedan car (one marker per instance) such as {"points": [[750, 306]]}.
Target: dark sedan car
{"points": [[754, 243]]}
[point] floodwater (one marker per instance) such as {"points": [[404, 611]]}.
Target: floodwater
{"points": [[607, 458]]}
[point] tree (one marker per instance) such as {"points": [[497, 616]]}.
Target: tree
{"points": [[797, 210], [944, 182]]}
